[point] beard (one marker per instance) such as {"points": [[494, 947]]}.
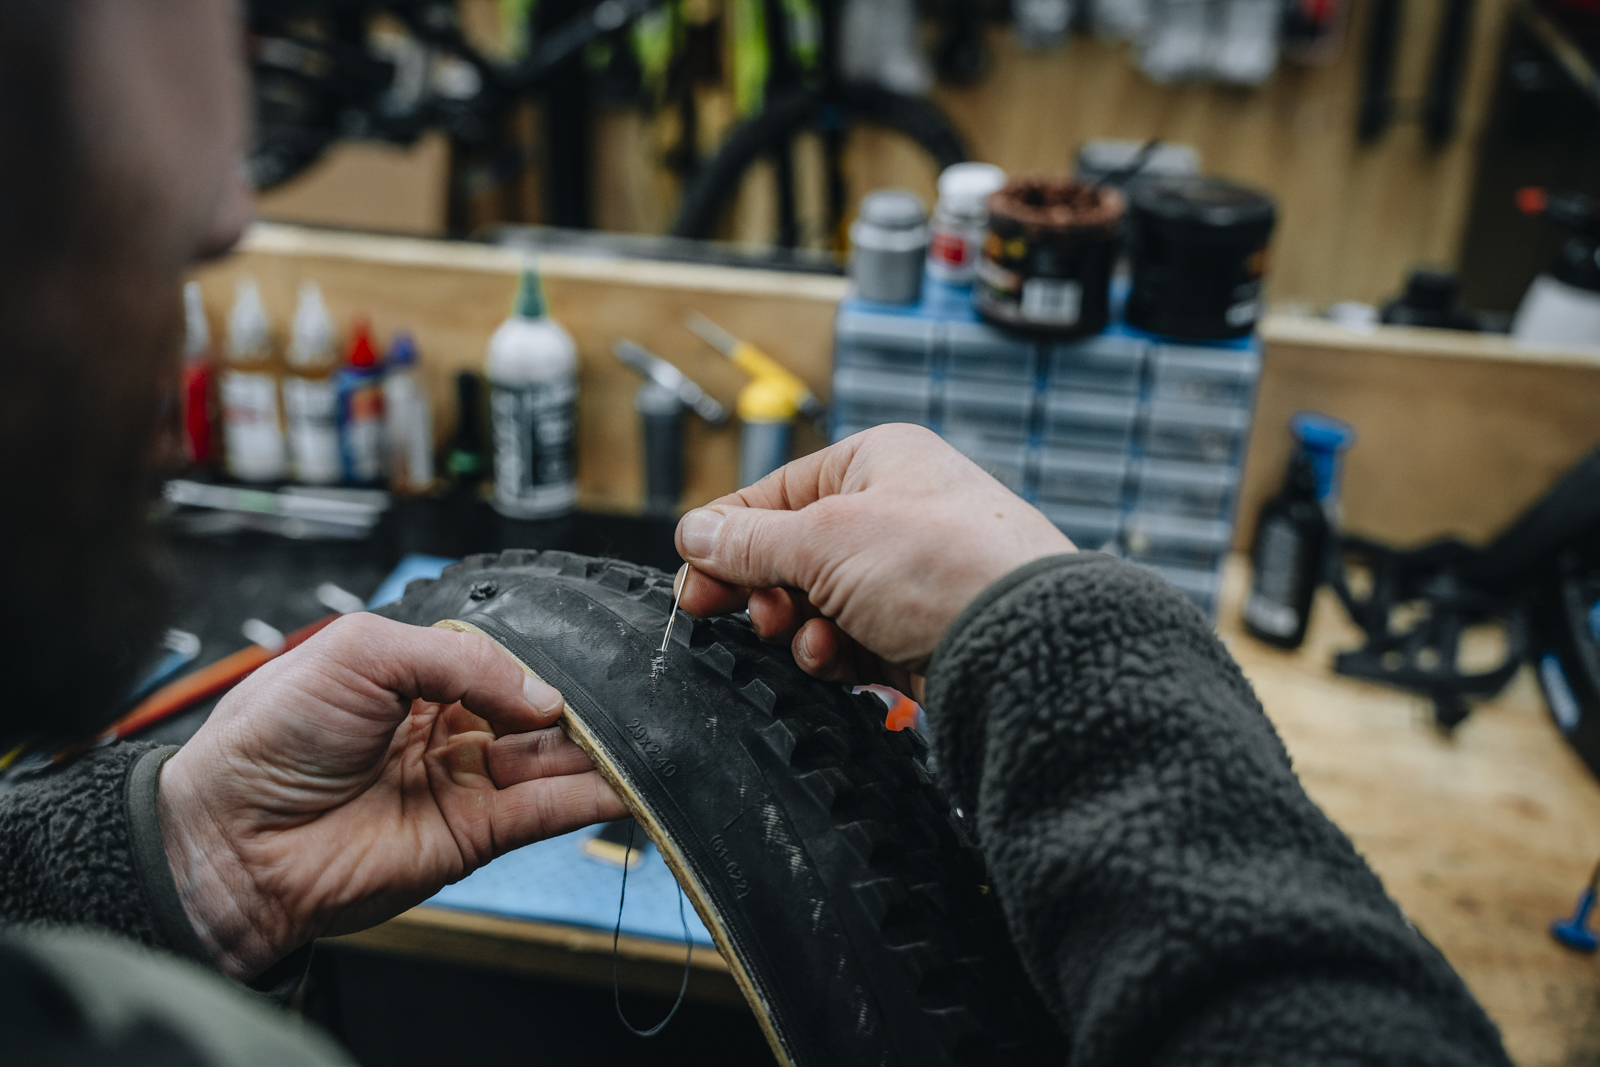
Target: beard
{"points": [[90, 362]]}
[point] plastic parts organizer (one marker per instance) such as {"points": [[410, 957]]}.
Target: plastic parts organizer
{"points": [[1128, 442]]}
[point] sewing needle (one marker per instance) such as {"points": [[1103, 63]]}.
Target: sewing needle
{"points": [[675, 602]]}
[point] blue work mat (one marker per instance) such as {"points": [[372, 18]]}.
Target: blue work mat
{"points": [[555, 881], [407, 571]]}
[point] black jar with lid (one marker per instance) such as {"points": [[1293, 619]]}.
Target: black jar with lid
{"points": [[1047, 259], [1198, 250]]}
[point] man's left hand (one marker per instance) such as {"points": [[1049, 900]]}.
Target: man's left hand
{"points": [[356, 776]]}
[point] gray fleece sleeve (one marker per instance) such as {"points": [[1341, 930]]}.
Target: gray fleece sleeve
{"points": [[1173, 891], [82, 846]]}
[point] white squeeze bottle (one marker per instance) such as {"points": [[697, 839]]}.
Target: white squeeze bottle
{"points": [[310, 401], [251, 430], [532, 367]]}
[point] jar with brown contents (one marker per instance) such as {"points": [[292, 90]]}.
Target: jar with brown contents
{"points": [[1048, 256]]}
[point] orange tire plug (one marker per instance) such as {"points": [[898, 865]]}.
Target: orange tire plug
{"points": [[903, 712]]}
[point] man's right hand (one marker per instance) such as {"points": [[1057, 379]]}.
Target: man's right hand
{"points": [[860, 556]]}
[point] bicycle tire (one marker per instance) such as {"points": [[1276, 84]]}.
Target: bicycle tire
{"points": [[717, 183], [835, 879]]}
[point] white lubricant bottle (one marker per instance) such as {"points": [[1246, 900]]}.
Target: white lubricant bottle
{"points": [[310, 399], [532, 367], [252, 432]]}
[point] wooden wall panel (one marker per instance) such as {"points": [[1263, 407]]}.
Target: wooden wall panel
{"points": [[364, 185], [1459, 433]]}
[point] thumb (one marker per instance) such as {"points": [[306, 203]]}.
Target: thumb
{"points": [[751, 547], [438, 664]]}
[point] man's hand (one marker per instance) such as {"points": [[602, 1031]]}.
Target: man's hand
{"points": [[860, 556], [356, 776]]}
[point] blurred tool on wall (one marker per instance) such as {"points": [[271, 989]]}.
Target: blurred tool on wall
{"points": [[1437, 111], [1293, 532], [661, 401], [252, 432], [197, 400], [767, 406], [880, 41], [1562, 306], [1042, 23], [1125, 164], [532, 369]]}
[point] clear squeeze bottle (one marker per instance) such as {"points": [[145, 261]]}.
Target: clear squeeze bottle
{"points": [[252, 431], [532, 367], [309, 396], [408, 422]]}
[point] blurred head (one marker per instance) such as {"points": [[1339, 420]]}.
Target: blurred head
{"points": [[122, 128]]}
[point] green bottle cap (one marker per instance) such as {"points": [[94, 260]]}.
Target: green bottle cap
{"points": [[530, 296]]}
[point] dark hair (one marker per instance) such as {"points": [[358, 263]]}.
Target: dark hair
{"points": [[87, 341]]}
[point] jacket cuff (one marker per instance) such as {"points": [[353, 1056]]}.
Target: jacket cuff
{"points": [[277, 982], [997, 589], [150, 858]]}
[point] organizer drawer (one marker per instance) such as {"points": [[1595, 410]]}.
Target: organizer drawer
{"points": [[1104, 364], [1073, 478], [1172, 487], [871, 398], [1086, 421], [1203, 375], [1195, 432], [867, 341]]}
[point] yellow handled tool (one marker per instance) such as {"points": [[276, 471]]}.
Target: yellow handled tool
{"points": [[757, 364]]}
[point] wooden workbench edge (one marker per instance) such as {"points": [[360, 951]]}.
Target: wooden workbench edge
{"points": [[1304, 330], [285, 240]]}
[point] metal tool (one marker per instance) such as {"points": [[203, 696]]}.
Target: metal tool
{"points": [[669, 377], [674, 616]]}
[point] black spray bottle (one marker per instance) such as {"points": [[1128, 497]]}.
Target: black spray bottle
{"points": [[1287, 560]]}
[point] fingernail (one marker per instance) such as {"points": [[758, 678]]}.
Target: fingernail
{"points": [[542, 696], [699, 529]]}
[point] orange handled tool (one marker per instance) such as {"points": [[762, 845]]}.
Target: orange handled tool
{"points": [[209, 680]]}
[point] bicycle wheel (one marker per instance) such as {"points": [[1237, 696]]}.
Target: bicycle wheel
{"points": [[852, 910], [786, 116]]}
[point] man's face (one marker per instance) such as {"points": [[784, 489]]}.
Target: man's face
{"points": [[118, 174], [161, 92]]}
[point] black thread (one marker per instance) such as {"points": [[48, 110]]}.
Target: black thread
{"points": [[616, 936]]}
